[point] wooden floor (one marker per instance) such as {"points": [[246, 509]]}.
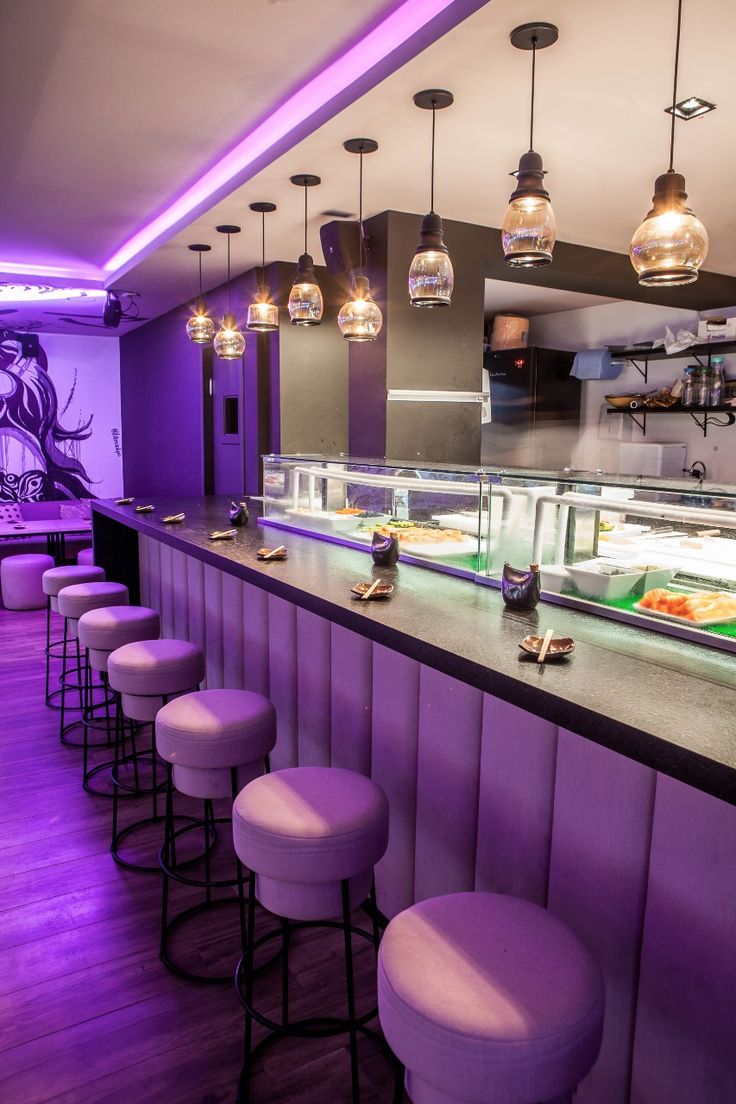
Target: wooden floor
{"points": [[88, 1014]]}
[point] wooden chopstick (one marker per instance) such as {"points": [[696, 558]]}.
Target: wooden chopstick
{"points": [[545, 645], [281, 548], [370, 589]]}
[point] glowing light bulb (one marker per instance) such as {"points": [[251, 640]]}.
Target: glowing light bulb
{"points": [[229, 341], [360, 319]]}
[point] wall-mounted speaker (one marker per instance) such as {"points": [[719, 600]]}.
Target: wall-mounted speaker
{"points": [[341, 246]]}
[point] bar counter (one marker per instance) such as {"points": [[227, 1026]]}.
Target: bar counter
{"points": [[603, 788], [666, 703]]}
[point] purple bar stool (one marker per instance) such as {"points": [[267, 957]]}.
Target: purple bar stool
{"points": [[86, 557], [54, 580], [310, 837], [100, 631], [72, 602], [488, 999], [214, 742], [21, 580], [146, 674]]}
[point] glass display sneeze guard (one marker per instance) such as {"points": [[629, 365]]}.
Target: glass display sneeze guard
{"points": [[437, 512], [608, 543]]}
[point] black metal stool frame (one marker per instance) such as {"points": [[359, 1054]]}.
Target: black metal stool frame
{"points": [[168, 863], [316, 1026], [154, 790]]}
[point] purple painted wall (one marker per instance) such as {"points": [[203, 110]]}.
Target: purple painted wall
{"points": [[161, 403]]}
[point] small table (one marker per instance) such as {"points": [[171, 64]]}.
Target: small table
{"points": [[55, 530]]}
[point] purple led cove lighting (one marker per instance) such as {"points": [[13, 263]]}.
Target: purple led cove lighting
{"points": [[52, 272], [286, 125]]}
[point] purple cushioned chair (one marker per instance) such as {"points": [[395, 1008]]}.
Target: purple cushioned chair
{"points": [[488, 999]]}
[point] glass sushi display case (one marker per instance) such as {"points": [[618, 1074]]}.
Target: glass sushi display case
{"points": [[434, 512], [654, 552]]}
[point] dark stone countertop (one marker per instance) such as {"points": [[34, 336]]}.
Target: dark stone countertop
{"points": [[667, 703]]}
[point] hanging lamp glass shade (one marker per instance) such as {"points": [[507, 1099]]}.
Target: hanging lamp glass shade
{"points": [[263, 316], [229, 341], [431, 276], [671, 244], [305, 299], [360, 319], [529, 228], [200, 327]]}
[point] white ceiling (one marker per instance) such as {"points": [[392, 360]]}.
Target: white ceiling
{"points": [[600, 124], [504, 297]]}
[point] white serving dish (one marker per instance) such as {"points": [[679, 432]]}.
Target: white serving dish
{"points": [[553, 577], [685, 620], [442, 550], [595, 585], [660, 577]]}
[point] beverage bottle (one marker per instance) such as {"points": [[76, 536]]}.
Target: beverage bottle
{"points": [[687, 398], [716, 383], [702, 388]]}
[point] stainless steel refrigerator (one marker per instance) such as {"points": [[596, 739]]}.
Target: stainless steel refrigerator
{"points": [[534, 409]]}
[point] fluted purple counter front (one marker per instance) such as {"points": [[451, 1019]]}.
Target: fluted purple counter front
{"points": [[487, 794]]}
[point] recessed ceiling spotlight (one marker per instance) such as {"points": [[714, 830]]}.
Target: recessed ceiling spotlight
{"points": [[691, 108]]}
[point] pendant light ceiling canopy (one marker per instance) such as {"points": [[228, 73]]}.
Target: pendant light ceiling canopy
{"points": [[671, 244], [360, 319], [306, 305], [431, 276], [200, 327], [529, 227], [263, 315], [229, 341]]}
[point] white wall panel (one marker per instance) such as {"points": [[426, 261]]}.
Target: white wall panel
{"points": [[282, 664], [351, 680], [395, 713], [255, 639], [597, 883], [517, 783], [448, 766], [179, 596], [313, 689]]}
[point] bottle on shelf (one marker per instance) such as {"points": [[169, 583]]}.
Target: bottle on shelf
{"points": [[687, 397], [717, 385], [702, 388]]}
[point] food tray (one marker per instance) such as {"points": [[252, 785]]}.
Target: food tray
{"points": [[440, 549], [685, 620]]}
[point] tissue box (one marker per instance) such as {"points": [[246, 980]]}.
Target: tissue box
{"points": [[717, 329]]}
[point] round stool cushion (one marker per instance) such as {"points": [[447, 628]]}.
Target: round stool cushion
{"points": [[148, 670], [80, 598], [21, 581], [488, 999], [103, 630], [207, 733], [303, 830], [57, 578], [86, 557]]}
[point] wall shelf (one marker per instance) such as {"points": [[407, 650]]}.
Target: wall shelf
{"points": [[722, 416], [702, 353]]}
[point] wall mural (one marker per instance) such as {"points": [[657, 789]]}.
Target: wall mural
{"points": [[39, 458]]}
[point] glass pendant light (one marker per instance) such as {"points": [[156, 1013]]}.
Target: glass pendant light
{"points": [[671, 244], [529, 227], [305, 300], [431, 277], [263, 315], [200, 327], [229, 341], [360, 319]]}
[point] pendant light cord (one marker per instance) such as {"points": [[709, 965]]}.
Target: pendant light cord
{"points": [[360, 210], [263, 247], [228, 274], [199, 258], [534, 74], [305, 217], [674, 85], [431, 174]]}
